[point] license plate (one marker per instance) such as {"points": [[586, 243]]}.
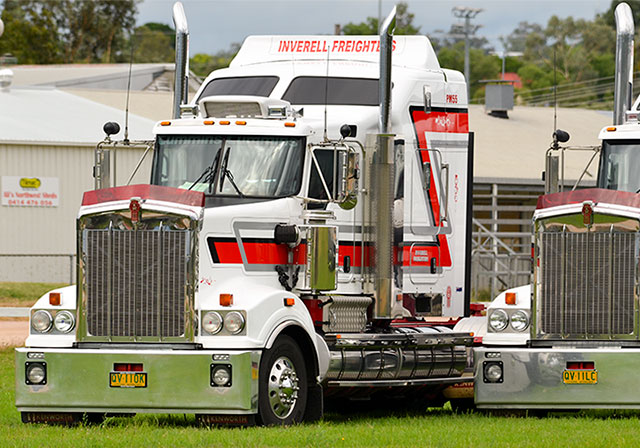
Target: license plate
{"points": [[128, 379], [580, 376]]}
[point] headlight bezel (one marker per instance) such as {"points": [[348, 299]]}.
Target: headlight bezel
{"points": [[69, 315], [212, 315], [526, 320], [34, 321], [498, 313], [228, 323]]}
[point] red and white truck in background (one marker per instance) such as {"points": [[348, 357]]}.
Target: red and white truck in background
{"points": [[571, 339], [305, 233]]}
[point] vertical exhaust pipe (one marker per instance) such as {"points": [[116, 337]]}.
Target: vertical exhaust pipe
{"points": [[382, 181], [181, 85], [623, 90]]}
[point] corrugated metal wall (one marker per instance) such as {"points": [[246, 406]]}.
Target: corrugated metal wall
{"points": [[51, 230]]}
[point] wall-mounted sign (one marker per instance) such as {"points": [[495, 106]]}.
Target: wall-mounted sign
{"points": [[29, 191]]}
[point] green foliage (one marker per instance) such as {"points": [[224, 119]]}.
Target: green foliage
{"points": [[404, 24], [203, 64], [24, 294], [153, 43], [52, 31]]}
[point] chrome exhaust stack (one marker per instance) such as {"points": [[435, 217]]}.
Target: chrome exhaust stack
{"points": [[380, 160], [181, 84], [623, 90]]}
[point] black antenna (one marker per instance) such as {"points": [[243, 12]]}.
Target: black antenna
{"points": [[326, 94], [126, 113], [555, 91]]}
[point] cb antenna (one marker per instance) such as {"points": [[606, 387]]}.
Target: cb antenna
{"points": [[326, 95], [126, 110], [555, 90]]}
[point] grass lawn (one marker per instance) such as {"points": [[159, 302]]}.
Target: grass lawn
{"points": [[24, 294], [431, 427]]}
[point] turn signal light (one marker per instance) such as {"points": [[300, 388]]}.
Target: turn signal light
{"points": [[226, 299], [510, 298], [54, 298], [289, 301]]}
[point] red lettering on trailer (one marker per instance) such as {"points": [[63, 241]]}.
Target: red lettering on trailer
{"points": [[338, 45], [307, 44], [453, 99]]}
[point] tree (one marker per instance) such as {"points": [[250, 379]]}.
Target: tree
{"points": [[46, 31], [404, 23], [153, 43], [202, 64]]}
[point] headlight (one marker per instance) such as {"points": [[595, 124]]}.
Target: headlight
{"points": [[64, 322], [492, 372], [41, 321], [36, 373], [498, 320], [519, 321], [234, 322], [212, 322]]}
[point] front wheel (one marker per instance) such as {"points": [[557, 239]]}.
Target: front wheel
{"points": [[282, 392]]}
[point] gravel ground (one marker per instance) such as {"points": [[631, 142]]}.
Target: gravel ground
{"points": [[13, 332]]}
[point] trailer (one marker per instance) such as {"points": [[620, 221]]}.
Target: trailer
{"points": [[304, 234]]}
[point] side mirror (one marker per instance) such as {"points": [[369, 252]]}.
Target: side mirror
{"points": [[348, 174]]}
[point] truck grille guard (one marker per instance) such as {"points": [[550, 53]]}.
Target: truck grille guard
{"points": [[587, 280], [136, 280]]}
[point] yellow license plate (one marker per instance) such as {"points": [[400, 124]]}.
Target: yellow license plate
{"points": [[128, 379], [580, 376]]}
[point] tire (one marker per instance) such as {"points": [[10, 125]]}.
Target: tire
{"points": [[282, 389]]}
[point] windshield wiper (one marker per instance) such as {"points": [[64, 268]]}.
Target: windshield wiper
{"points": [[226, 173], [210, 171]]}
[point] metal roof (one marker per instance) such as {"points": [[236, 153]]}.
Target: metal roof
{"points": [[53, 116], [515, 148]]}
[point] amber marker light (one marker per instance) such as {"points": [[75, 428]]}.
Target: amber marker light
{"points": [[54, 298], [225, 122], [241, 123], [289, 301], [165, 123], [208, 122], [611, 128], [510, 298], [226, 299], [289, 124]]}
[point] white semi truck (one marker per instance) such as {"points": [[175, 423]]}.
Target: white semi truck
{"points": [[305, 233], [571, 339]]}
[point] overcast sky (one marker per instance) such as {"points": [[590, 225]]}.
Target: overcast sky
{"points": [[215, 24]]}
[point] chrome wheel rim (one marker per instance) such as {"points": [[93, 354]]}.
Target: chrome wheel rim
{"points": [[283, 387]]}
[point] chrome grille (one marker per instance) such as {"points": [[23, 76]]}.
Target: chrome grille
{"points": [[136, 282], [587, 283]]}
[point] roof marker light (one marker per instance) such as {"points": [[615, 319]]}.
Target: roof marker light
{"points": [[289, 124], [208, 122], [225, 122], [611, 128], [165, 123], [241, 123]]}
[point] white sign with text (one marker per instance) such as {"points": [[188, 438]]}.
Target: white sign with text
{"points": [[25, 191]]}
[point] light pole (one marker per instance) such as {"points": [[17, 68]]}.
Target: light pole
{"points": [[466, 13]]}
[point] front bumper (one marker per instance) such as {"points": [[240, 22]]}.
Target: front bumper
{"points": [[533, 378], [178, 381]]}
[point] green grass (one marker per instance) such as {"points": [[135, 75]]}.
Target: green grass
{"points": [[431, 427], [24, 294]]}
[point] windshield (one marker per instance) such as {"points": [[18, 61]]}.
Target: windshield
{"points": [[243, 166], [620, 165]]}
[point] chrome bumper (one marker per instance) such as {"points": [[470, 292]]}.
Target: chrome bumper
{"points": [[533, 378], [178, 381]]}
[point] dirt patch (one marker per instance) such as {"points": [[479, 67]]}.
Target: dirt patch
{"points": [[13, 332]]}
